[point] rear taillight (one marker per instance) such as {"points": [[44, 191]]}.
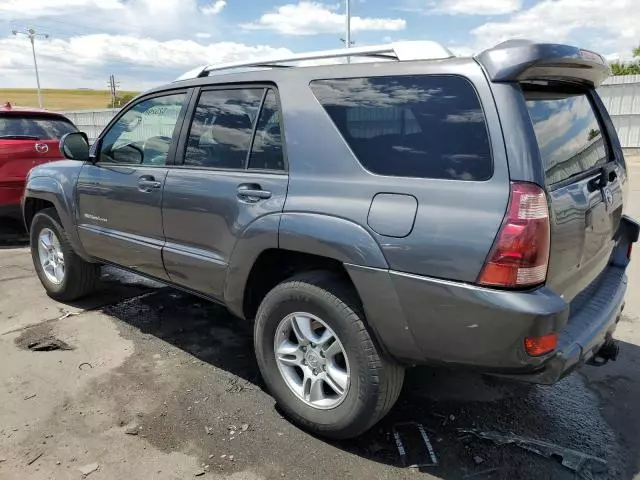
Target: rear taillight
{"points": [[629, 251], [520, 254], [536, 346]]}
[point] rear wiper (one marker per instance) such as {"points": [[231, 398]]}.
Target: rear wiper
{"points": [[607, 174], [19, 137]]}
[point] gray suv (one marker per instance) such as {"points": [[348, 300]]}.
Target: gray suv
{"points": [[414, 208]]}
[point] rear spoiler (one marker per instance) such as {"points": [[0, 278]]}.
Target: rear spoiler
{"points": [[521, 60]]}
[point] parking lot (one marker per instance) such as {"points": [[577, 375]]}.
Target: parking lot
{"points": [[143, 381]]}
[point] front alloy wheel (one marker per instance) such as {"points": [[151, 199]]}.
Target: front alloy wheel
{"points": [[64, 275], [51, 256]]}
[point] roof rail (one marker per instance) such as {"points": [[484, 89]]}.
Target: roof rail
{"points": [[399, 51]]}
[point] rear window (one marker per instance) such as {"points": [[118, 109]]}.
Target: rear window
{"points": [[411, 126], [43, 127], [568, 133]]}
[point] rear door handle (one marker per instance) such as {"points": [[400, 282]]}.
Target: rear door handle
{"points": [[147, 183], [252, 193]]}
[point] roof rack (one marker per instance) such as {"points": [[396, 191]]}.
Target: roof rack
{"points": [[400, 51]]}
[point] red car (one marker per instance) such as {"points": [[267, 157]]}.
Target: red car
{"points": [[28, 137]]}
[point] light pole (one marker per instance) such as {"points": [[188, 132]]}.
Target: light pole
{"points": [[31, 34], [347, 40], [348, 36]]}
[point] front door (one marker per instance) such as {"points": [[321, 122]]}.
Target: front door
{"points": [[120, 195], [232, 173]]}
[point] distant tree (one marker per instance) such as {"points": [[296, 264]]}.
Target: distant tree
{"points": [[121, 100], [593, 133], [627, 68]]}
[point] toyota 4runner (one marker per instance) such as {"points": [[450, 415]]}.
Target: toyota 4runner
{"points": [[410, 207]]}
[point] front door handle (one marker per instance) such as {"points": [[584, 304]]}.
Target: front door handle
{"points": [[252, 193], [146, 183]]}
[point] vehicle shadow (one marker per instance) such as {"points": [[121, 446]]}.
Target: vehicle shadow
{"points": [[594, 412], [12, 234]]}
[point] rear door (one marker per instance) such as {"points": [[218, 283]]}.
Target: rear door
{"points": [[584, 182], [120, 195], [232, 173]]}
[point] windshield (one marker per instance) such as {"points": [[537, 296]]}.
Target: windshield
{"points": [[38, 127], [568, 133]]}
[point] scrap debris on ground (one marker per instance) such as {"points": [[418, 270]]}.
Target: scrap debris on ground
{"points": [[579, 462]]}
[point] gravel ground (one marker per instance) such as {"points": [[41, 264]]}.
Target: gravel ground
{"points": [[146, 382]]}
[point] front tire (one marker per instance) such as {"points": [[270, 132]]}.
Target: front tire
{"points": [[319, 360], [64, 275]]}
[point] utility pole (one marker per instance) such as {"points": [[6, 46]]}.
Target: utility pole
{"points": [[113, 88], [31, 34]]}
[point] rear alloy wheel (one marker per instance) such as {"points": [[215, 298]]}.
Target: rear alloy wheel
{"points": [[318, 359], [312, 360], [64, 275]]}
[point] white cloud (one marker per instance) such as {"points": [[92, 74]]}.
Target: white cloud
{"points": [[163, 18], [124, 53], [215, 8], [474, 7], [310, 18], [203, 35], [560, 20], [560, 122], [17, 9]]}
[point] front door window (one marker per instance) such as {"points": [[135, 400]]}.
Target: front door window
{"points": [[143, 135]]}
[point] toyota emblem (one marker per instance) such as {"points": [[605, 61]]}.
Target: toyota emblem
{"points": [[42, 147], [608, 196]]}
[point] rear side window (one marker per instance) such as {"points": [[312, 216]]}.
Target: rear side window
{"points": [[40, 127], [568, 133], [427, 126], [266, 152]]}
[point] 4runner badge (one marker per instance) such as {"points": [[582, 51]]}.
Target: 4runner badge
{"points": [[95, 218]]}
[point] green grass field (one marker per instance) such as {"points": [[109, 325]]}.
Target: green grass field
{"points": [[57, 99]]}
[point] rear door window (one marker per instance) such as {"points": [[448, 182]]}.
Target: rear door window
{"points": [[427, 126], [222, 128], [38, 127], [568, 133]]}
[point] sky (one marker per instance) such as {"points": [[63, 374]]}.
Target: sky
{"points": [[145, 43]]}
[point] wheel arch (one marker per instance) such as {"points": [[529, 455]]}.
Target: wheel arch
{"points": [[47, 192], [294, 242]]}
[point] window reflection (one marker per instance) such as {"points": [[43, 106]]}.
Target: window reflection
{"points": [[568, 133], [429, 126]]}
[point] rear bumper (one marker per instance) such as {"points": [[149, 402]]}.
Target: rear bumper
{"points": [[421, 320], [587, 331]]}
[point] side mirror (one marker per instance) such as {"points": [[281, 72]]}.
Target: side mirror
{"points": [[75, 146]]}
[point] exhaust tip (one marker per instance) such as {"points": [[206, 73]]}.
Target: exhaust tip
{"points": [[608, 351]]}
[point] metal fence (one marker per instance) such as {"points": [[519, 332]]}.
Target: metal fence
{"points": [[621, 96], [91, 121]]}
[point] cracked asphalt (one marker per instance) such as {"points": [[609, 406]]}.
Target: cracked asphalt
{"points": [[158, 384]]}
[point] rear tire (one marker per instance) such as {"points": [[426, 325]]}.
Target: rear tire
{"points": [[373, 384], [63, 274]]}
